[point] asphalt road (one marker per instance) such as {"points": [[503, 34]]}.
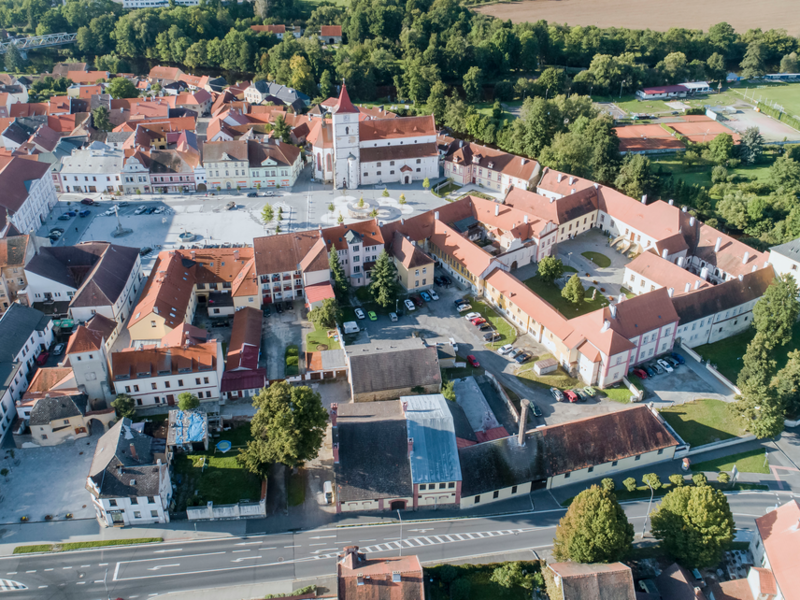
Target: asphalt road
{"points": [[147, 571]]}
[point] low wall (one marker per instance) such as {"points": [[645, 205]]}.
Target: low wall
{"points": [[504, 396], [636, 393], [722, 444], [724, 380], [242, 510]]}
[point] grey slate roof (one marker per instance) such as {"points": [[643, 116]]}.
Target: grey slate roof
{"points": [[16, 326], [8, 371], [381, 371], [53, 408], [435, 455], [373, 449], [114, 469], [789, 249]]}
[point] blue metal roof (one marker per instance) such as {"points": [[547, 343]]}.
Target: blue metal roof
{"points": [[434, 458], [190, 426]]}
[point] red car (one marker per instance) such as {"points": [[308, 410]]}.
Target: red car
{"points": [[640, 373], [417, 301], [478, 321], [87, 202], [571, 396], [473, 361], [42, 358]]}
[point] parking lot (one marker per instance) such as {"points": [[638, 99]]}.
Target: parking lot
{"points": [[686, 383]]}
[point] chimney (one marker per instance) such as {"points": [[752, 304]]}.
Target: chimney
{"points": [[436, 215], [336, 454], [606, 325], [405, 406], [644, 199], [522, 160], [683, 209], [741, 277], [573, 191], [597, 186], [523, 420], [559, 177], [571, 180], [410, 446], [745, 257], [755, 267], [671, 202], [697, 284], [551, 200], [671, 292], [460, 143], [525, 218], [360, 579], [402, 221], [613, 310], [687, 288], [334, 414], [704, 273], [664, 253], [496, 210], [680, 261], [718, 244], [691, 221], [134, 455]]}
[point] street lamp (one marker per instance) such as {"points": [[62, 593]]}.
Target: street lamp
{"points": [[401, 532], [569, 258], [108, 596], [648, 508]]}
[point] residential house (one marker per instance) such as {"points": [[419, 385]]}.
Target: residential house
{"points": [[157, 375], [362, 578], [128, 484], [136, 171], [330, 34], [159, 74], [87, 354], [97, 168], [357, 246], [26, 333], [263, 91], [286, 264], [188, 430], [414, 265], [648, 272], [577, 581], [774, 548], [489, 167], [28, 193], [15, 253], [388, 373], [10, 383], [57, 418], [250, 164], [243, 378], [198, 101], [173, 171], [785, 259], [676, 582]]}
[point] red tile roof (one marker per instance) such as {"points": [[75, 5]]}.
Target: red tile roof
{"points": [[151, 361], [663, 272], [384, 129], [780, 532], [319, 292], [183, 333], [84, 340], [369, 231], [234, 381], [331, 31], [245, 333], [362, 578], [494, 160], [269, 28], [475, 259], [344, 105]]}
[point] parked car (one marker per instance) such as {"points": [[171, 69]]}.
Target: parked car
{"points": [[66, 216], [433, 295], [447, 280], [145, 251], [523, 357], [393, 317], [515, 352], [58, 349], [472, 315], [679, 358], [372, 316], [640, 373], [416, 300], [454, 345], [267, 312], [473, 361], [463, 307], [459, 301], [42, 358], [124, 203], [409, 304], [478, 321], [503, 350], [665, 364], [438, 280], [84, 213], [252, 195], [54, 235], [425, 296], [486, 327], [278, 308], [557, 394], [492, 336], [269, 194], [579, 393], [571, 396], [537, 412], [87, 202], [672, 362], [657, 368], [150, 210], [589, 391], [140, 210], [649, 370], [230, 206], [159, 210]]}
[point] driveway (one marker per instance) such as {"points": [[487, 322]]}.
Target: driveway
{"points": [[280, 331]]}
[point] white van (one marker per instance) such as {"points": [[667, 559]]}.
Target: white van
{"points": [[327, 489], [351, 327]]}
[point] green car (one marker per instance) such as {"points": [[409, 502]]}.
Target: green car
{"points": [[589, 391], [372, 316]]}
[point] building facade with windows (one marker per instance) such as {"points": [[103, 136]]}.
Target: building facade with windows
{"points": [[97, 168], [28, 193], [488, 167]]}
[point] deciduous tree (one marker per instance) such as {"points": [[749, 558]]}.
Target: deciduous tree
{"points": [[573, 292], [751, 145], [100, 119], [121, 87], [125, 406], [326, 314], [776, 311], [267, 213], [188, 401], [473, 85], [550, 269]]}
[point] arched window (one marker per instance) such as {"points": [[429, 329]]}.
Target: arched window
{"points": [[330, 166], [319, 161], [347, 130]]}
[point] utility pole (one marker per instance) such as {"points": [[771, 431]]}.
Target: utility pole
{"points": [[401, 532], [648, 509]]}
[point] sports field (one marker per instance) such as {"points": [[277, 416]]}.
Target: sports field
{"points": [[785, 94], [658, 15]]}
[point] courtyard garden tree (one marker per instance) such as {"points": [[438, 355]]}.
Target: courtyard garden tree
{"points": [[267, 213], [326, 314], [550, 269], [121, 87], [595, 529], [787, 383], [374, 213], [288, 428], [573, 292], [426, 183], [341, 285], [385, 193], [100, 119], [384, 287], [125, 406], [695, 525], [281, 130], [188, 401]]}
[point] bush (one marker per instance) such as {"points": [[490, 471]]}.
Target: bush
{"points": [[448, 573], [676, 479], [652, 480], [460, 589], [699, 479], [608, 484], [630, 484], [723, 477]]}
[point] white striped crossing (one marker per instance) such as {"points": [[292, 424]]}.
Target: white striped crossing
{"points": [[6, 585]]}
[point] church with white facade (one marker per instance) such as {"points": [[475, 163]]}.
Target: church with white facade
{"points": [[354, 149]]}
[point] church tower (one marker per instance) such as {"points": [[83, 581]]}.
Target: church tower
{"points": [[346, 157]]}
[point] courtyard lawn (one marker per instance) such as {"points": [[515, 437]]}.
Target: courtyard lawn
{"points": [[319, 337], [703, 421], [481, 585], [292, 357], [753, 461], [552, 294], [601, 260], [619, 394], [508, 334], [297, 488], [726, 355], [558, 379], [447, 189]]}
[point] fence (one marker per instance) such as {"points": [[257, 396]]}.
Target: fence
{"points": [[781, 116], [722, 444], [241, 510], [636, 393]]}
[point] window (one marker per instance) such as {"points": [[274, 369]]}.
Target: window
{"points": [[451, 485], [151, 500], [134, 500], [135, 388], [166, 384], [44, 437], [154, 514], [112, 502], [416, 273], [477, 499], [514, 490], [197, 381], [205, 379], [379, 173], [137, 514], [391, 163], [208, 394], [590, 469], [614, 464], [660, 451], [496, 494], [153, 386], [442, 486], [128, 389], [180, 382], [422, 486], [566, 475], [638, 457]]}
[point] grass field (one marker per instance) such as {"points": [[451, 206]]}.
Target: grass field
{"points": [[552, 294], [508, 334], [701, 174], [785, 94], [319, 337], [601, 260], [727, 354], [754, 461], [703, 421], [83, 545], [485, 108]]}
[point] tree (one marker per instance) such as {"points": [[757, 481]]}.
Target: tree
{"points": [[635, 178], [448, 390], [374, 213], [426, 183], [267, 213], [608, 484], [630, 484], [720, 149], [288, 428], [776, 311], [302, 77], [550, 269], [595, 529], [385, 193], [13, 60], [120, 87], [787, 383], [651, 480], [473, 85], [752, 64], [125, 406], [509, 575], [326, 89], [460, 589], [573, 292], [326, 314], [695, 525], [552, 82], [751, 145], [188, 401], [699, 479], [100, 119], [361, 202], [437, 103], [789, 63], [281, 130], [341, 285], [384, 287], [723, 477]]}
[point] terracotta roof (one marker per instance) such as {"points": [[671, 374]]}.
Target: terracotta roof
{"points": [[384, 129], [319, 292], [733, 257], [16, 179], [407, 253], [404, 152], [368, 231], [558, 211], [245, 335], [49, 378], [130, 363], [183, 333], [736, 589], [361, 578], [766, 581], [779, 530], [84, 340], [331, 31], [246, 282], [285, 252], [596, 581], [87, 76], [159, 72], [664, 273], [344, 105], [192, 98], [475, 259], [269, 28], [321, 134], [550, 182], [29, 109], [494, 160]]}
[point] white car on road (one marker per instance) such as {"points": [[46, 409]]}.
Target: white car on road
{"points": [[360, 313], [505, 349], [472, 315], [140, 210], [409, 304]]}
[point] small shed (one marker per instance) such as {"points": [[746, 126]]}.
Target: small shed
{"points": [[547, 365], [188, 429]]}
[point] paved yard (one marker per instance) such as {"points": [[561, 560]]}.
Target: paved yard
{"points": [[608, 278], [47, 481], [280, 331], [683, 385]]}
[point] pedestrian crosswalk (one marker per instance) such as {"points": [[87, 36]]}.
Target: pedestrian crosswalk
{"points": [[6, 585], [429, 540]]}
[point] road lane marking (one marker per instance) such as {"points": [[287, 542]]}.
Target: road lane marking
{"points": [[98, 581], [159, 567], [367, 540], [410, 545], [322, 537], [41, 587], [50, 569], [171, 550], [248, 543], [81, 583], [322, 544], [34, 571], [103, 565], [246, 558], [169, 557], [272, 548], [392, 538], [245, 550], [85, 566], [66, 567], [12, 573], [297, 546]]}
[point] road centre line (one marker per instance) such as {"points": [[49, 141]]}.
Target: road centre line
{"points": [[246, 550]]}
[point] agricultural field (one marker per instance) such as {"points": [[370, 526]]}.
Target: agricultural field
{"points": [[659, 15]]}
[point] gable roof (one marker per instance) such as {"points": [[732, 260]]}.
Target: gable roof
{"points": [[434, 456], [666, 273], [383, 129], [150, 361], [494, 160], [16, 179], [398, 369], [57, 408], [286, 251], [245, 344], [408, 253], [84, 340], [368, 231], [676, 583], [361, 578], [779, 531], [331, 31], [596, 581], [16, 326]]}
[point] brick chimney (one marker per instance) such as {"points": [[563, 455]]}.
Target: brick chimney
{"points": [[134, 455], [523, 421], [336, 454], [334, 414], [410, 446]]}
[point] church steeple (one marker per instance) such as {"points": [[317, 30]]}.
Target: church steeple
{"points": [[344, 105]]}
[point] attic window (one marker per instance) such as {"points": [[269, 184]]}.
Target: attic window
{"points": [[133, 482]]}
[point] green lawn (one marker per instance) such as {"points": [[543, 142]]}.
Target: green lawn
{"points": [[508, 334], [481, 587], [319, 337], [82, 545], [701, 174], [785, 94], [447, 189], [703, 421], [552, 294], [628, 294], [601, 260], [558, 379], [297, 488], [485, 108], [727, 354], [216, 477], [620, 394], [753, 461]]}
